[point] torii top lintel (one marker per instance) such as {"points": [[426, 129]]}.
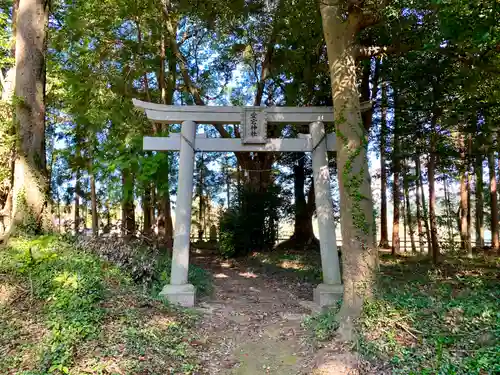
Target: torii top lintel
{"points": [[174, 114]]}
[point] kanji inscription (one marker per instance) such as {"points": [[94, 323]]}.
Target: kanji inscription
{"points": [[254, 125]]}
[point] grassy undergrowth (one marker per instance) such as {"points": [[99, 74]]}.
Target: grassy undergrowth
{"points": [[435, 320], [429, 320], [66, 311]]}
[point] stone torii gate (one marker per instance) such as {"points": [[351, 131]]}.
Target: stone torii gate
{"points": [[254, 121]]}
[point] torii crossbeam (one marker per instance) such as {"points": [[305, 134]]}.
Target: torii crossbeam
{"points": [[253, 122]]}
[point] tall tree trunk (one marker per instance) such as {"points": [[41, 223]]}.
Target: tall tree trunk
{"points": [[396, 190], [8, 88], [93, 197], [405, 228], [449, 211], [464, 197], [469, 187], [431, 170], [408, 210], [128, 207], [359, 252], [107, 227], [78, 188], [147, 209], [228, 181], [463, 211], [384, 234], [201, 201], [479, 202], [419, 214], [303, 229], [30, 190], [424, 205], [494, 202], [167, 88]]}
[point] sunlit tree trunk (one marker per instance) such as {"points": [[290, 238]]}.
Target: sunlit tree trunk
{"points": [[384, 234], [201, 200], [493, 202], [359, 253], [30, 190], [465, 243], [419, 213], [424, 205], [396, 190]]}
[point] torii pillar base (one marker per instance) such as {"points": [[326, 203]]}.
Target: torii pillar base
{"points": [[183, 295], [326, 295]]}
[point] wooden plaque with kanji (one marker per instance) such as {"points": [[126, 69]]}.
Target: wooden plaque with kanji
{"points": [[254, 125]]}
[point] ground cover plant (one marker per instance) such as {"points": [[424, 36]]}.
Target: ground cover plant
{"points": [[66, 311], [428, 319]]}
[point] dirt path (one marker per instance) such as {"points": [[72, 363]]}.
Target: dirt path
{"points": [[252, 324]]}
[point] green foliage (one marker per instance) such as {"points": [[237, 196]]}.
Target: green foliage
{"points": [[427, 320], [144, 262], [64, 303], [324, 324], [197, 276], [252, 224], [70, 287], [29, 226]]}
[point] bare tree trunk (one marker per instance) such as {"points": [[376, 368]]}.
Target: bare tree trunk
{"points": [[449, 211], [408, 211], [463, 211], [78, 188], [93, 195], [405, 229], [128, 207], [469, 187], [424, 206], [30, 190], [147, 210], [167, 87], [201, 202], [479, 202], [419, 214], [494, 202], [228, 181], [384, 234], [431, 168], [464, 199], [396, 190], [359, 252], [303, 233]]}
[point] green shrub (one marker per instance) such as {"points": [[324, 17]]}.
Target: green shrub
{"points": [[251, 225], [146, 264]]}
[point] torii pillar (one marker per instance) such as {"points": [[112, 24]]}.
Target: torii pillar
{"points": [[254, 122]]}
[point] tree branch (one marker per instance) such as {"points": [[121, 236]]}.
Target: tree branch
{"points": [[191, 87]]}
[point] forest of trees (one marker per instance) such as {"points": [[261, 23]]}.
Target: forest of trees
{"points": [[71, 141]]}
